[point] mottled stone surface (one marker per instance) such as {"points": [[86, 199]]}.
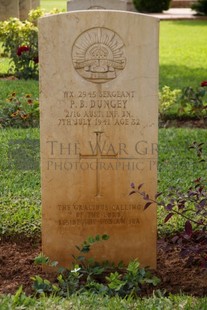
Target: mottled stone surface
{"points": [[35, 4], [75, 5], [17, 8], [99, 102], [24, 7], [9, 8]]}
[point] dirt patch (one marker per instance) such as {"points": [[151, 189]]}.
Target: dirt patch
{"points": [[17, 264], [184, 123], [8, 78], [177, 274], [16, 268]]}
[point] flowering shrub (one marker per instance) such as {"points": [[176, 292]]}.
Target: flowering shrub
{"points": [[20, 111], [20, 43], [204, 83], [22, 49], [185, 103], [194, 101]]}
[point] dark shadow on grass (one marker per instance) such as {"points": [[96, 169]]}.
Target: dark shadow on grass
{"points": [[181, 76]]}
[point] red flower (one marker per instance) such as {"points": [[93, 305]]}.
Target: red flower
{"points": [[204, 83], [22, 49]]}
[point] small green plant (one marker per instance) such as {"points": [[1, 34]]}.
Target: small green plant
{"points": [[35, 14], [167, 99], [130, 282], [41, 285], [103, 278], [20, 111], [41, 259], [90, 267], [151, 6], [20, 300], [193, 102], [200, 7]]}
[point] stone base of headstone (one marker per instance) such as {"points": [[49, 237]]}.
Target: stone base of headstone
{"points": [[9, 8], [75, 5]]}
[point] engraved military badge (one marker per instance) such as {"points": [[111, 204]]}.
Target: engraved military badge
{"points": [[98, 55]]}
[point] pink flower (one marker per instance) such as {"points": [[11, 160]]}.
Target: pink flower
{"points": [[22, 49], [204, 83]]}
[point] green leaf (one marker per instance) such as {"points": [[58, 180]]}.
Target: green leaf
{"points": [[97, 238], [105, 237]]}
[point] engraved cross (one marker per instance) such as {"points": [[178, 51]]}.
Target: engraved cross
{"points": [[98, 156]]}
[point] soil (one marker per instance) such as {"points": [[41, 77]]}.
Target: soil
{"points": [[184, 123], [17, 267]]}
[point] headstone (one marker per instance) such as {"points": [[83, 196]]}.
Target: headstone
{"points": [[24, 7], [17, 8], [74, 5], [9, 8], [35, 4], [98, 100], [130, 6]]}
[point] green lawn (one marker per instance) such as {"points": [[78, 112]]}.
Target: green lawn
{"points": [[97, 302], [183, 50], [51, 4]]}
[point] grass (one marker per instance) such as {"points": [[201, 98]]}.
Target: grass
{"points": [[21, 87], [20, 189], [48, 5], [178, 165], [94, 302], [183, 50]]}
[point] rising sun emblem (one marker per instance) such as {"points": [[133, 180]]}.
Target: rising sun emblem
{"points": [[98, 55]]}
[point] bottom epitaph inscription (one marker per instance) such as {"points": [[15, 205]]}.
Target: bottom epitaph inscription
{"points": [[87, 215]]}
